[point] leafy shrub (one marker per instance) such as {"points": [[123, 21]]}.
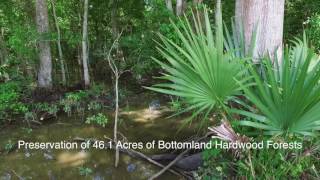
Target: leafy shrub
{"points": [[30, 116], [73, 100], [265, 163], [10, 94], [84, 171], [27, 130], [76, 96], [97, 90], [314, 30], [3, 72], [9, 146], [99, 119], [216, 165], [140, 45], [53, 109], [277, 163], [175, 104], [286, 96], [94, 106], [50, 108]]}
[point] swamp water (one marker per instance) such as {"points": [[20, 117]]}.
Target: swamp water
{"points": [[139, 125]]}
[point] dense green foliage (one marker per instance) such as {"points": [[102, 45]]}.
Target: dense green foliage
{"points": [[99, 119], [205, 70], [139, 21], [314, 30], [200, 71], [10, 100], [266, 163], [297, 13], [286, 95]]}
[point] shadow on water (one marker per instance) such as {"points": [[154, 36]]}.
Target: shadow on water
{"points": [[137, 124]]}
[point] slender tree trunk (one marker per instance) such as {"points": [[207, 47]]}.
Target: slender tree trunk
{"points": [[180, 7], [115, 34], [114, 23], [79, 46], [115, 28], [3, 50], [117, 73], [79, 69], [169, 5], [63, 72], [115, 130], [267, 16], [1, 57], [45, 69], [85, 45]]}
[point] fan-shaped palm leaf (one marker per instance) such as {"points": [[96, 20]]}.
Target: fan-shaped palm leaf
{"points": [[287, 96], [200, 71]]}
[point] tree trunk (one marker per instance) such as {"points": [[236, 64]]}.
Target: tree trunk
{"points": [[117, 73], [3, 50], [180, 7], [169, 5], [85, 46], [63, 72], [114, 23], [115, 34], [115, 129], [184, 6], [267, 16], [45, 69]]}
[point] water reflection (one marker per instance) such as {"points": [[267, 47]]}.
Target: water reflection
{"points": [[72, 159]]}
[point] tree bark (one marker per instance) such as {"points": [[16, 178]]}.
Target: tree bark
{"points": [[169, 5], [114, 23], [45, 69], [267, 16], [3, 50], [117, 75], [85, 45], [115, 130], [63, 72], [180, 7]]}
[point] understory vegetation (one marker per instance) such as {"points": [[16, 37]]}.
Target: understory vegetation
{"points": [[98, 61], [278, 98]]}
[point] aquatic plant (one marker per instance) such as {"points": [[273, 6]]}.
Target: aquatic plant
{"points": [[73, 101], [85, 171], [10, 102], [99, 119], [9, 146], [94, 106]]}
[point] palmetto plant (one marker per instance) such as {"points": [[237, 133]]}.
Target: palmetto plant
{"points": [[286, 95], [199, 70]]}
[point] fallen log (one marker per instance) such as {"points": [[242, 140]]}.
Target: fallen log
{"points": [[187, 163], [179, 157], [190, 163], [163, 157]]}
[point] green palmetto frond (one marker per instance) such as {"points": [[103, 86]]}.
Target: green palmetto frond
{"points": [[199, 70], [287, 96]]}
